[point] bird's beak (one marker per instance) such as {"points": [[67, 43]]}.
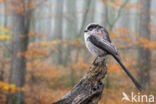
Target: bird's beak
{"points": [[85, 30]]}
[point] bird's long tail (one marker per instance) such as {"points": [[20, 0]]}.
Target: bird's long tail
{"points": [[128, 73]]}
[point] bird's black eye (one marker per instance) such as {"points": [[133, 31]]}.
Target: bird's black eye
{"points": [[90, 28]]}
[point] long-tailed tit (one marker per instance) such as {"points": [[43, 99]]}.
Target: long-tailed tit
{"points": [[98, 42]]}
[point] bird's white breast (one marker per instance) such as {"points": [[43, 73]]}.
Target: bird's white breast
{"points": [[92, 48]]}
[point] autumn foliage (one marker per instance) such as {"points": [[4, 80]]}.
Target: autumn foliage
{"points": [[46, 81]]}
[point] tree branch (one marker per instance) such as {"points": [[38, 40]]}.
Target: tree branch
{"points": [[90, 87]]}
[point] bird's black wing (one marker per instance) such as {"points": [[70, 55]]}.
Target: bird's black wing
{"points": [[103, 44]]}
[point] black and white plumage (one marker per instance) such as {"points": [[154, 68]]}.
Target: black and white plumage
{"points": [[98, 42]]}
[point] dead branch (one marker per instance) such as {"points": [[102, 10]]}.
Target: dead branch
{"points": [[90, 87]]}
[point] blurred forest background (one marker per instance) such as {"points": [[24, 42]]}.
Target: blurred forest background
{"points": [[42, 51]]}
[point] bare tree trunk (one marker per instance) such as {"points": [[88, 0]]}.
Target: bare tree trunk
{"points": [[71, 31], [91, 13], [19, 45], [2, 62], [89, 89], [2, 71], [21, 24], [145, 53], [104, 12], [71, 27], [58, 25], [6, 14], [49, 21]]}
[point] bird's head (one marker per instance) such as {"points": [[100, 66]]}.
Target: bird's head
{"points": [[93, 28]]}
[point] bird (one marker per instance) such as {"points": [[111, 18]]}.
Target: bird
{"points": [[99, 44]]}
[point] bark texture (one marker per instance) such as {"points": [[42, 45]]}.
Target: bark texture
{"points": [[89, 89], [20, 39]]}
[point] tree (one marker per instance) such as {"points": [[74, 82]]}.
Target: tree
{"points": [[21, 24], [91, 13], [5, 15], [71, 31], [71, 26], [58, 25], [144, 54]]}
